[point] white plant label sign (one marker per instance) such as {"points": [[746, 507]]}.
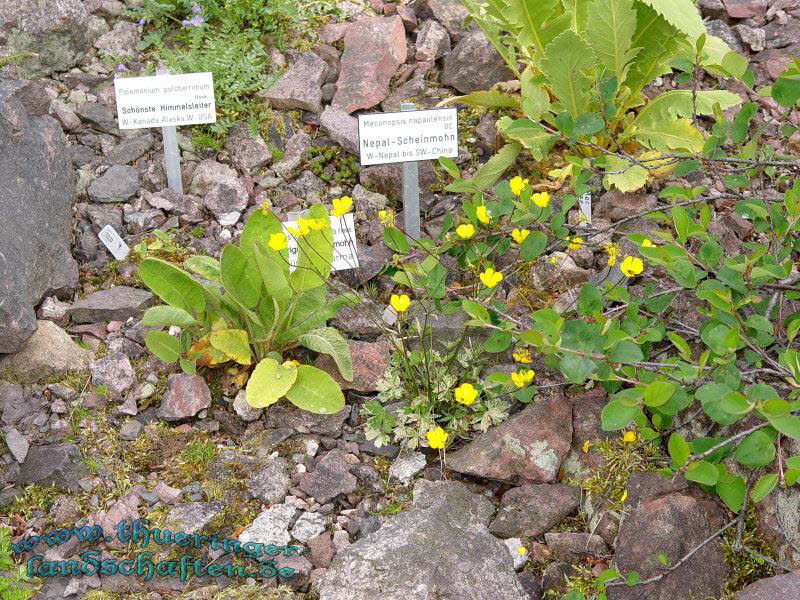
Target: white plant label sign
{"points": [[585, 204], [165, 100], [115, 244], [407, 136], [345, 252]]}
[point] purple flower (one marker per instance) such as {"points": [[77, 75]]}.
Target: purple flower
{"points": [[120, 67], [197, 20], [141, 21], [185, 23], [196, 9]]}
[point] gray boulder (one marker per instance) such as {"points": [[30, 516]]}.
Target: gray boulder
{"points": [[115, 304], [300, 87], [117, 184], [474, 65], [440, 548], [780, 587], [36, 196], [60, 465], [53, 36], [49, 352]]}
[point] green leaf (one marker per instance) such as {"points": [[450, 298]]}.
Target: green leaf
{"points": [[488, 98], [576, 368], [623, 174], [164, 346], [173, 285], [239, 280], [537, 23], [273, 269], [667, 135], [315, 391], [395, 240], [616, 415], [741, 122], [233, 343], [756, 450], [735, 403], [205, 266], [765, 484], [497, 341], [167, 316], [533, 245], [590, 300], [682, 346], [626, 352], [786, 89], [658, 393], [613, 23], [731, 489], [564, 63], [532, 136], [257, 230], [589, 123], [308, 317], [681, 14], [632, 578], [488, 174], [679, 450], [788, 425], [702, 472], [679, 103], [328, 340], [269, 382]]}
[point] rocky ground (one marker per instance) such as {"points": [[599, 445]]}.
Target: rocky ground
{"points": [[98, 430]]}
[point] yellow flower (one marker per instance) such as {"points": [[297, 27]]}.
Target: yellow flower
{"points": [[277, 241], [466, 231], [400, 303], [522, 378], [612, 251], [629, 437], [291, 363], [631, 266], [483, 214], [517, 184], [541, 199], [491, 278], [465, 393], [317, 224], [624, 496], [386, 217], [646, 243], [575, 243], [341, 205], [553, 260], [585, 446], [519, 235], [437, 438], [522, 551], [303, 227], [522, 355]]}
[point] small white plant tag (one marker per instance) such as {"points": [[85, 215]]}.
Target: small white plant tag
{"points": [[113, 242], [585, 204]]}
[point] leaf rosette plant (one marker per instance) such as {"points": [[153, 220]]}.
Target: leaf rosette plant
{"points": [[252, 309]]}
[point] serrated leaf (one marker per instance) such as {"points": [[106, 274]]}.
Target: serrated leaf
{"points": [[681, 14], [679, 103], [623, 174], [537, 22], [164, 346], [563, 64], [488, 174], [530, 134], [489, 98], [657, 40], [328, 340], [233, 343], [315, 391], [269, 382], [674, 134], [610, 36]]}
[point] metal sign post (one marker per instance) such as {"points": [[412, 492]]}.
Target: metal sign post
{"points": [[411, 218], [172, 155]]}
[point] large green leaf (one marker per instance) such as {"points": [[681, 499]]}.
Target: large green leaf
{"points": [[537, 21], [678, 103], [205, 266], [233, 343], [490, 172], [657, 41], [616, 415], [530, 134], [258, 229], [681, 14], [167, 316], [756, 450], [306, 319], [610, 36], [315, 391], [564, 63], [269, 382], [273, 267], [164, 346], [315, 254], [666, 135], [731, 489], [623, 174], [240, 281], [328, 340], [490, 98], [173, 285], [702, 472]]}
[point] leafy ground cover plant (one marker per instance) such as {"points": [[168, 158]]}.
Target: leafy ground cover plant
{"points": [[11, 576], [585, 64], [252, 309]]}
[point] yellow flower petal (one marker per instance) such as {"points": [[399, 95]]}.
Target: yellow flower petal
{"points": [[575, 244], [541, 199], [522, 355], [517, 184], [519, 235], [341, 205], [631, 266], [400, 303], [437, 438], [491, 278], [465, 231], [277, 241], [465, 393], [483, 214], [629, 437], [646, 243]]}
